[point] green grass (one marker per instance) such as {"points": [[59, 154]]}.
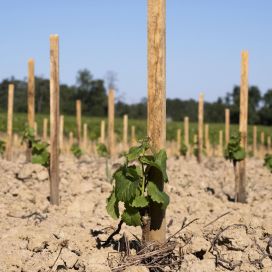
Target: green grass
{"points": [[20, 119]]}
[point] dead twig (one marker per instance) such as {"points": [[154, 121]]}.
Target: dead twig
{"points": [[217, 219], [63, 244], [107, 242], [182, 227]]}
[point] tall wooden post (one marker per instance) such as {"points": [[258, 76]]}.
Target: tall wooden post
{"points": [[200, 127], [156, 108], [45, 124], [207, 139], [71, 139], [30, 104], [254, 148], [241, 188], [186, 131], [178, 140], [125, 132], [102, 132], [31, 94], [227, 125], [61, 132], [85, 136], [133, 136], [78, 120], [10, 122], [111, 137], [54, 119]]}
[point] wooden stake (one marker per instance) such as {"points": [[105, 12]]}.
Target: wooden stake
{"points": [[178, 140], [31, 94], [156, 108], [10, 122], [71, 139], [54, 119], [102, 132], [254, 149], [78, 120], [200, 127], [45, 124], [227, 125], [241, 188], [186, 131], [30, 105], [61, 132], [111, 137], [125, 132], [133, 136], [85, 136]]}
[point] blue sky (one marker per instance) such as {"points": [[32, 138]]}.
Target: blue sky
{"points": [[204, 42]]}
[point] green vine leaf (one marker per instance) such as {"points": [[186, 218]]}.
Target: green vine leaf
{"points": [[125, 189], [157, 195], [139, 202], [268, 161], [112, 206], [234, 152], [131, 216]]}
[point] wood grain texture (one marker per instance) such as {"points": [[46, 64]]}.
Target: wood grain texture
{"points": [[241, 194], [186, 131], [227, 125], [125, 132], [10, 122], [133, 136], [111, 137], [54, 119], [200, 127], [31, 93], [156, 104]]}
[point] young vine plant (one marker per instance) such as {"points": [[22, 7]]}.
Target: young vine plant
{"points": [[234, 152], [135, 187], [2, 147], [39, 149], [76, 150], [268, 161]]}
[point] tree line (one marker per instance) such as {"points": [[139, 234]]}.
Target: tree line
{"points": [[93, 95]]}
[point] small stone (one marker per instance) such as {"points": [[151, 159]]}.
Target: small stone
{"points": [[43, 175], [68, 257]]}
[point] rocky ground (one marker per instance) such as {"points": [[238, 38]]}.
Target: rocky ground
{"points": [[38, 237]]}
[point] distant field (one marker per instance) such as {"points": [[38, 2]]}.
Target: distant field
{"points": [[94, 127]]}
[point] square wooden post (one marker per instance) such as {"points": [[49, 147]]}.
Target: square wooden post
{"points": [[156, 104], [54, 119], [241, 194], [200, 127]]}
